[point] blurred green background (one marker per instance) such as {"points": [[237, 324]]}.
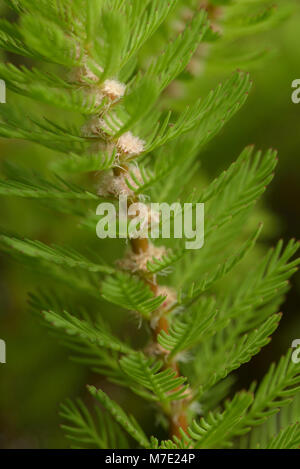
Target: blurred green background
{"points": [[38, 374]]}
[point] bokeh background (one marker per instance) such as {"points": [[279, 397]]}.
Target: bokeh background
{"points": [[38, 374]]}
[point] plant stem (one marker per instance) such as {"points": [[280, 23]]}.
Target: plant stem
{"points": [[177, 417]]}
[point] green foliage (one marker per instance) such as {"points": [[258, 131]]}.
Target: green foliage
{"points": [[58, 255], [287, 438], [267, 434], [94, 81], [164, 385], [217, 428], [35, 187], [208, 115], [189, 328], [84, 432], [130, 293], [127, 422], [279, 386], [75, 327]]}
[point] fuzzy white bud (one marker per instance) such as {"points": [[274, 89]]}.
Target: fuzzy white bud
{"points": [[138, 261], [130, 145], [113, 89]]}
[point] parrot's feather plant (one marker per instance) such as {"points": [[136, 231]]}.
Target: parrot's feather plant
{"points": [[94, 65]]}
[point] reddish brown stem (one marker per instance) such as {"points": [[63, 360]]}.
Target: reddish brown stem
{"points": [[181, 423], [177, 418]]}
